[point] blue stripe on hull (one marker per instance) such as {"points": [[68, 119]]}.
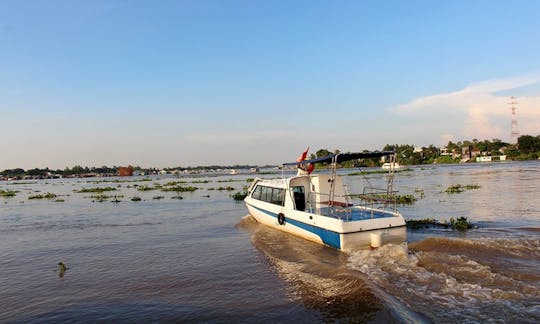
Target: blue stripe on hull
{"points": [[328, 237]]}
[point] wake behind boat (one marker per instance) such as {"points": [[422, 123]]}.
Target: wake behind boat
{"points": [[319, 207]]}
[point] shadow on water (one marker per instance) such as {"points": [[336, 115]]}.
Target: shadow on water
{"points": [[318, 277]]}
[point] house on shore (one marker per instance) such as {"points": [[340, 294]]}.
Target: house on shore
{"points": [[125, 171]]}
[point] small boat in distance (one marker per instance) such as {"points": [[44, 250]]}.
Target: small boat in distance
{"points": [[320, 208], [391, 165]]}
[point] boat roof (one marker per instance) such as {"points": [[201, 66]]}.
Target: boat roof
{"points": [[275, 183], [342, 157]]}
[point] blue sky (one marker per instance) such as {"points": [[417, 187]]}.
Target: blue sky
{"points": [[178, 83]]}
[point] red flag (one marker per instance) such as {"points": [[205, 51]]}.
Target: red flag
{"points": [[303, 156]]}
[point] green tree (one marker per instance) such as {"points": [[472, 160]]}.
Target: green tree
{"points": [[323, 153], [452, 146], [528, 144]]}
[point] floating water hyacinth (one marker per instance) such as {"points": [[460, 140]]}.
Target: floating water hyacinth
{"points": [[8, 193], [61, 268], [180, 189], [97, 190], [239, 195], [48, 195], [460, 188]]}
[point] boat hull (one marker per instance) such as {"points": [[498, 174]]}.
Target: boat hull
{"points": [[331, 232]]}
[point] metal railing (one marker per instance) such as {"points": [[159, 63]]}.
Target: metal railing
{"points": [[372, 199]]}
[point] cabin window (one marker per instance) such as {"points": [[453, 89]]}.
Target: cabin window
{"points": [[257, 193], [266, 194], [277, 196], [271, 195]]}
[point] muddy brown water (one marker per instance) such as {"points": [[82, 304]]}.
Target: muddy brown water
{"points": [[202, 259]]}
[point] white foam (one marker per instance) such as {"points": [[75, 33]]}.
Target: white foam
{"points": [[443, 286]]}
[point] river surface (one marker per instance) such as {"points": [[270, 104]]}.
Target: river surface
{"points": [[203, 259]]}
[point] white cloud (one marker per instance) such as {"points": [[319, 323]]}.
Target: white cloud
{"points": [[477, 111]]}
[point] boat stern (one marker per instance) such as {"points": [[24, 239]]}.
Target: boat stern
{"points": [[374, 238]]}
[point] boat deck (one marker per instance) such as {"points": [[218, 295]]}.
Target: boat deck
{"points": [[352, 214]]}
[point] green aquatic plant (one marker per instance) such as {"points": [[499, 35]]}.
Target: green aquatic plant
{"points": [[62, 268], [425, 223], [200, 181], [146, 188], [405, 199], [460, 224], [59, 200], [180, 189], [177, 197], [116, 200], [458, 188], [8, 193], [228, 188], [173, 183], [158, 197], [100, 197], [399, 199], [454, 189], [48, 195], [136, 199], [97, 190], [21, 183], [239, 195]]}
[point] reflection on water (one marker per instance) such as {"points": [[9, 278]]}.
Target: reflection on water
{"points": [[200, 258]]}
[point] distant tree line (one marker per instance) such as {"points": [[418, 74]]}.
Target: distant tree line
{"points": [[78, 170], [47, 173], [526, 148], [217, 167]]}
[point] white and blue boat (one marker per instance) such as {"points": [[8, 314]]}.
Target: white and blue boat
{"points": [[318, 207]]}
